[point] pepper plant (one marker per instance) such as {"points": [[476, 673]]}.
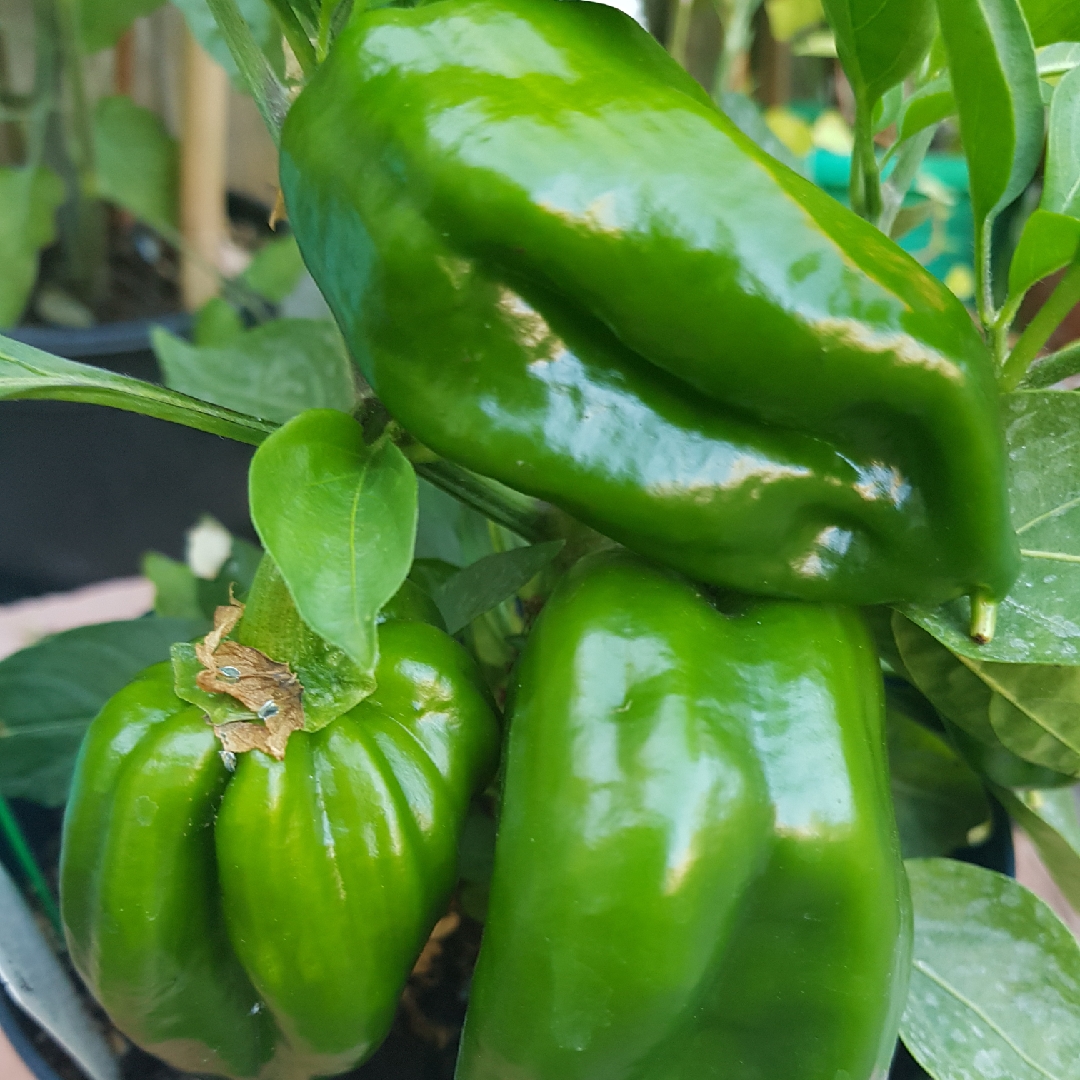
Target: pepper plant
{"points": [[587, 307]]}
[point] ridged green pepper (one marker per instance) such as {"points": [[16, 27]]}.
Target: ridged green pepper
{"points": [[263, 923], [558, 264], [697, 874]]}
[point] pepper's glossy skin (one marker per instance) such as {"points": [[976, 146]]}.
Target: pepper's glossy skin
{"points": [[697, 873], [263, 924], [559, 265]]}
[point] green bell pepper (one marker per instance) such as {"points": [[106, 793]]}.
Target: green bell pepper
{"points": [[558, 264], [697, 873], [262, 922]]}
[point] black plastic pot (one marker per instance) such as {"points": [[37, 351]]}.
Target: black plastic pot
{"points": [[85, 490]]}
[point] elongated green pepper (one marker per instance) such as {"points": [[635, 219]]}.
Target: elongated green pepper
{"points": [[262, 923], [697, 873], [559, 265]]}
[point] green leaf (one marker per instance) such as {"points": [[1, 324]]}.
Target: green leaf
{"points": [[51, 691], [1061, 184], [339, 519], [1052, 20], [999, 766], [880, 41], [1050, 819], [996, 83], [26, 372], [938, 799], [1039, 621], [929, 105], [275, 371], [275, 270], [175, 586], [1049, 242], [261, 21], [995, 981], [490, 581], [101, 22], [1031, 709], [217, 323], [1055, 60], [137, 161], [29, 199]]}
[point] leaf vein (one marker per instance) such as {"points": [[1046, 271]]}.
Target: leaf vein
{"points": [[932, 975]]}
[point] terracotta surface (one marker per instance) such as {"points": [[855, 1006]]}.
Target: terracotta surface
{"points": [[11, 1066]]}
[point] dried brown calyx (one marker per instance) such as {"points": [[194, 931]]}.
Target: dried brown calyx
{"points": [[269, 689]]}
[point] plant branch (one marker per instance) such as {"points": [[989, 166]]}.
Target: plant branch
{"points": [[1048, 318], [259, 77], [29, 373], [984, 292], [865, 190], [519, 513]]}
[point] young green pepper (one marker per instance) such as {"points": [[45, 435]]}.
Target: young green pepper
{"points": [[697, 873], [262, 923], [558, 264]]}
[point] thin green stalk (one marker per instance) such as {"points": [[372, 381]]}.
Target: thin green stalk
{"points": [[680, 30], [1049, 317], [984, 293], [259, 77], [9, 828]]}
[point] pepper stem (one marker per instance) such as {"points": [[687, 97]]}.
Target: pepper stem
{"points": [[983, 618]]}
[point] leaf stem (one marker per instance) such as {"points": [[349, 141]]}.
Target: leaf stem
{"points": [[865, 190], [24, 856], [984, 293], [259, 78], [527, 517], [1048, 318]]}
